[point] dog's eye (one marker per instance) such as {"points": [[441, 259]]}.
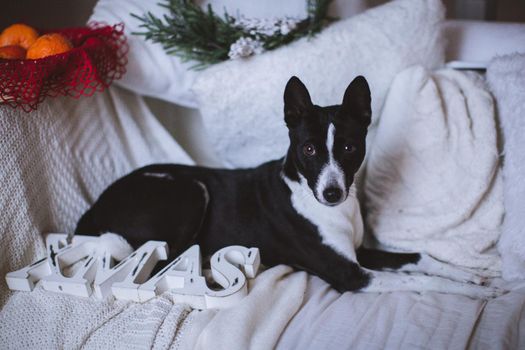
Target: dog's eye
{"points": [[309, 150], [350, 148]]}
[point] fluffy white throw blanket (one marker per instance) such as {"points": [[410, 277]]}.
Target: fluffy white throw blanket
{"points": [[432, 179], [55, 162], [506, 76]]}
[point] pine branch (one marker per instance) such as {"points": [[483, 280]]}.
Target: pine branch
{"points": [[199, 35]]}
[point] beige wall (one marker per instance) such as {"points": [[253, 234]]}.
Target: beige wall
{"points": [[64, 13], [511, 10], [498, 10], [46, 13]]}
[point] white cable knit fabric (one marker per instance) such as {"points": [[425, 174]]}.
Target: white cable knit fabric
{"points": [[46, 320], [58, 159], [432, 178]]}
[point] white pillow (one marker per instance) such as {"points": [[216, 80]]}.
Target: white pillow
{"points": [[150, 71], [242, 101], [432, 178]]}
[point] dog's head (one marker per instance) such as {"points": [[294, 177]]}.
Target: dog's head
{"points": [[327, 144]]}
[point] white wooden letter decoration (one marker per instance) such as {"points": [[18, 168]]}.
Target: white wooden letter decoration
{"points": [[84, 267]]}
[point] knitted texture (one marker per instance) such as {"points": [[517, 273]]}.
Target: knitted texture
{"points": [[58, 159]]}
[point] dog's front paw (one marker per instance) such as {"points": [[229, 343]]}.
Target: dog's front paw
{"points": [[349, 280]]}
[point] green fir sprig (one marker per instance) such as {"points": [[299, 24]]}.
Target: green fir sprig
{"points": [[200, 35]]}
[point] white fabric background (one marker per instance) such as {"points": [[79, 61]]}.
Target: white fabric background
{"points": [[242, 101]]}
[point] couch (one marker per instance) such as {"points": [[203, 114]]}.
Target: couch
{"points": [[58, 159]]}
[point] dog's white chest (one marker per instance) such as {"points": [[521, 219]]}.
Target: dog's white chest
{"points": [[340, 227]]}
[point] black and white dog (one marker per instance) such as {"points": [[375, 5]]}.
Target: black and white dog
{"points": [[300, 211]]}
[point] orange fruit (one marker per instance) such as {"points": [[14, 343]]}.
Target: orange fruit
{"points": [[18, 34], [48, 45], [12, 52]]}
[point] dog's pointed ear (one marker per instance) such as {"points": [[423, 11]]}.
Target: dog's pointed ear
{"points": [[297, 101], [357, 102]]}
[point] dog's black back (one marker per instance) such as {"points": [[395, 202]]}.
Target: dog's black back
{"points": [[169, 202]]}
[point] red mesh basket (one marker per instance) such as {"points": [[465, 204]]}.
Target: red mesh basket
{"points": [[98, 58]]}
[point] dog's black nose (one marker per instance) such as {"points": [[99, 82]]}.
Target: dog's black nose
{"points": [[332, 194]]}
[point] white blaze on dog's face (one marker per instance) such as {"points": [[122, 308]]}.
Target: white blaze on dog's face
{"points": [[327, 144], [331, 188]]}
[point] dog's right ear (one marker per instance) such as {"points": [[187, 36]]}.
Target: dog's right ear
{"points": [[297, 102], [357, 101]]}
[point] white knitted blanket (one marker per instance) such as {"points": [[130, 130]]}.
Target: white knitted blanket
{"points": [[55, 162], [45, 320]]}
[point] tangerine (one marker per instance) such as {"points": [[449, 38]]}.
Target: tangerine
{"points": [[12, 52], [18, 34], [48, 45]]}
